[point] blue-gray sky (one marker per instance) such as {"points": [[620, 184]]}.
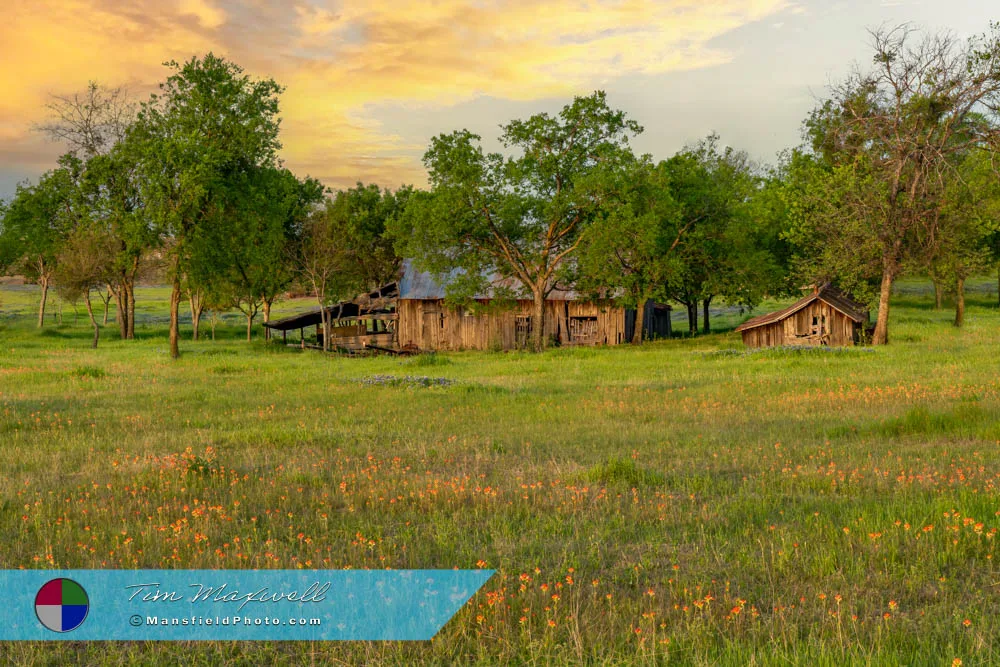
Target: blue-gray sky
{"points": [[369, 82]]}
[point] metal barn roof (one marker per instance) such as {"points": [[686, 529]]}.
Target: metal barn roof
{"points": [[416, 284]]}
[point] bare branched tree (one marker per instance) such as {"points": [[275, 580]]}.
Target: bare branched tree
{"points": [[904, 125], [90, 122]]}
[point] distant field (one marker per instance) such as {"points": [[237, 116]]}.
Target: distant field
{"points": [[684, 502]]}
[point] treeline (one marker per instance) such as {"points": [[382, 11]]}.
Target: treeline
{"points": [[897, 173], [187, 184]]}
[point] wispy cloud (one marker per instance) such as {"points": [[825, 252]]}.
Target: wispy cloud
{"points": [[339, 60]]}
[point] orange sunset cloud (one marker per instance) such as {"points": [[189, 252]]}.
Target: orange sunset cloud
{"points": [[341, 60]]}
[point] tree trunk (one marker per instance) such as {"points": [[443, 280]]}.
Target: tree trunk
{"points": [[93, 321], [324, 317], [538, 322], [120, 311], [640, 320], [43, 282], [692, 308], [881, 336], [250, 316], [960, 302], [130, 308], [194, 301], [267, 318], [106, 298], [706, 323], [938, 295], [175, 300]]}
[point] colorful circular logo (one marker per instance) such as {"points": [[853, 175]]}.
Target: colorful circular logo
{"points": [[61, 605]]}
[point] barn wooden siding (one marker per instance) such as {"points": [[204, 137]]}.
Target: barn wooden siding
{"points": [[429, 325], [798, 328]]}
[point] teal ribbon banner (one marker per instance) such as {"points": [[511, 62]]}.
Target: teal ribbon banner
{"points": [[311, 605]]}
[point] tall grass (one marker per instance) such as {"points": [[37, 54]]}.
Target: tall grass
{"points": [[681, 502]]}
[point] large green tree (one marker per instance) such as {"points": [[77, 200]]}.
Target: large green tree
{"points": [[37, 221], [345, 247], [827, 224], [958, 241], [246, 254], [209, 123], [94, 125], [519, 215], [362, 216], [628, 251], [885, 140], [112, 192], [728, 249], [324, 263]]}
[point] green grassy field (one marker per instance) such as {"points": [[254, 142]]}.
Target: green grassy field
{"points": [[684, 502]]}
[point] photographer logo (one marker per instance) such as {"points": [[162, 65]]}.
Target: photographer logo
{"points": [[61, 605]]}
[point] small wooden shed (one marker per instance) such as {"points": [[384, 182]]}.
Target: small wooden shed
{"points": [[827, 316]]}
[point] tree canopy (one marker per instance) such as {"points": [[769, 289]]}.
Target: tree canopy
{"points": [[896, 174], [882, 147], [201, 137], [519, 215]]}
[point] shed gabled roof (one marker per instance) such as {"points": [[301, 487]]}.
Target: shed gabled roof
{"points": [[827, 294]]}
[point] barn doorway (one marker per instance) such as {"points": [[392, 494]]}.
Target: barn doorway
{"points": [[522, 331], [433, 322]]}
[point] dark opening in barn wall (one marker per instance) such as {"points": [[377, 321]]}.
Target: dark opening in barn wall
{"points": [[522, 331], [655, 321]]}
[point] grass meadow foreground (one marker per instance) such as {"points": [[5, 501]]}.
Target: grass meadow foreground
{"points": [[684, 502]]}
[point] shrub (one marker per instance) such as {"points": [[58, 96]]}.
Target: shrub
{"points": [[624, 472], [88, 372], [429, 359]]}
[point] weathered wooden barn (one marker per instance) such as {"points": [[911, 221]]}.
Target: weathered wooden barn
{"points": [[425, 322], [826, 316], [411, 315]]}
